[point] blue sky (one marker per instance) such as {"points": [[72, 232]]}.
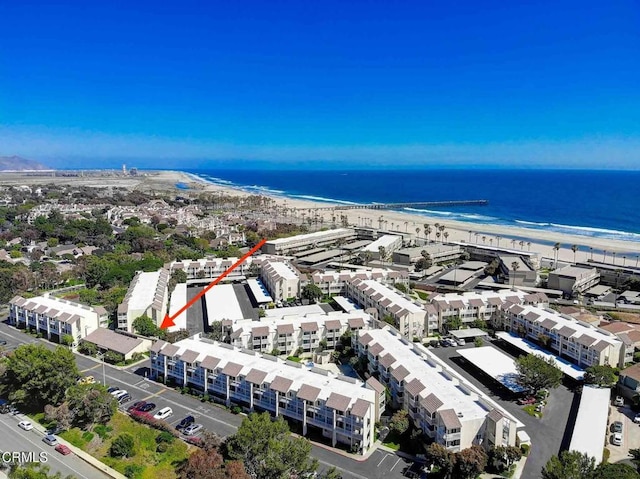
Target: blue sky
{"points": [[321, 83]]}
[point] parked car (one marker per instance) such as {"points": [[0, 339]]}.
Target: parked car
{"points": [[163, 413], [193, 429], [147, 407], [527, 400], [137, 405], [636, 418], [3, 342], [434, 343], [119, 393], [616, 439], [619, 401], [444, 343], [460, 342], [54, 430], [50, 439], [26, 425], [87, 380], [186, 422], [62, 449], [124, 398], [616, 426], [113, 389]]}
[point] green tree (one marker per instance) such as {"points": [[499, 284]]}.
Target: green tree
{"points": [[32, 471], [267, 449], [469, 462], [92, 405], [439, 457], [331, 473], [36, 376], [311, 292], [603, 376], [145, 326], [400, 421], [122, 446], [569, 465], [66, 339], [215, 331], [614, 471], [536, 373]]}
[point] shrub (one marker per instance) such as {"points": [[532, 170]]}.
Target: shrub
{"points": [[606, 453], [102, 431], [166, 437], [134, 471], [525, 448], [149, 420], [88, 436], [205, 398], [122, 446], [236, 409]]}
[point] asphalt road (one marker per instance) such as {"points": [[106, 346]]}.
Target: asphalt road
{"points": [[14, 439], [380, 464]]}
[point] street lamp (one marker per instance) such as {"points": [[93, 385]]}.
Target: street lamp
{"points": [[104, 379]]}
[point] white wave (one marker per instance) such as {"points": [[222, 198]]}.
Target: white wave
{"points": [[323, 199], [597, 231], [431, 212], [532, 223]]}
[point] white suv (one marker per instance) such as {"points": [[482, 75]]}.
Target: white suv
{"points": [[163, 413]]}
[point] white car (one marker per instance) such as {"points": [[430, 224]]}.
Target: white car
{"points": [[619, 401], [119, 393], [163, 413], [616, 440], [636, 418], [26, 425], [193, 429]]}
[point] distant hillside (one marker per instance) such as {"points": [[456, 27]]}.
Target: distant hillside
{"points": [[15, 163]]}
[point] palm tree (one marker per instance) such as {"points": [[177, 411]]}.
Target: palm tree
{"points": [[438, 235], [604, 255], [476, 235], [529, 246], [624, 261], [515, 266], [613, 253], [484, 239], [427, 232], [418, 233], [406, 223], [380, 221], [521, 243], [513, 243], [556, 248], [446, 235], [491, 241], [574, 248], [470, 235], [498, 238], [591, 251], [383, 253]]}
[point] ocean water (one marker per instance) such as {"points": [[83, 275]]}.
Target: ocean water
{"points": [[595, 203]]}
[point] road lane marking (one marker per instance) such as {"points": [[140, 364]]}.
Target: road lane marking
{"points": [[396, 463], [90, 369], [381, 460]]}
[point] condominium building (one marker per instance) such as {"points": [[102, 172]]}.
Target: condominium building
{"points": [[573, 279], [309, 240], [289, 332], [436, 252], [281, 279], [389, 243], [410, 318], [517, 271], [342, 409], [147, 295], [579, 342], [448, 409], [208, 268], [484, 305], [54, 317], [334, 282]]}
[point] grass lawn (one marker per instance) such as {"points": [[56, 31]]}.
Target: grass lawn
{"points": [[531, 410], [295, 359], [147, 463]]}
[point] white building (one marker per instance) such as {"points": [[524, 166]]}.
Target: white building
{"points": [[579, 342], [288, 333], [54, 317], [483, 305], [309, 240], [447, 408], [573, 279], [410, 318], [281, 279], [147, 295], [334, 282], [342, 409], [390, 243]]}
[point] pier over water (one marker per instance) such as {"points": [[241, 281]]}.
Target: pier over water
{"points": [[394, 206]]}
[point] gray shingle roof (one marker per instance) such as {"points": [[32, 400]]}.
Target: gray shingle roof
{"points": [[281, 384], [308, 393], [338, 402]]}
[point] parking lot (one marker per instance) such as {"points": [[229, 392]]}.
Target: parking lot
{"points": [[630, 433]]}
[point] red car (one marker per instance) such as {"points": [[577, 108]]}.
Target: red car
{"points": [[62, 449], [527, 400]]}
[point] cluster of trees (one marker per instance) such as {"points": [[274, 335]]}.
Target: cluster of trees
{"points": [[36, 378], [576, 465], [262, 448], [466, 464], [33, 471]]}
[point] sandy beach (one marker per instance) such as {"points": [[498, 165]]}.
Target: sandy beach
{"points": [[627, 252]]}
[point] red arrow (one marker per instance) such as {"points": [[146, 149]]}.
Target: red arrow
{"points": [[168, 320]]}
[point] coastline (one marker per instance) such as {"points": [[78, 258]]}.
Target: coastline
{"points": [[460, 231], [401, 221]]}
